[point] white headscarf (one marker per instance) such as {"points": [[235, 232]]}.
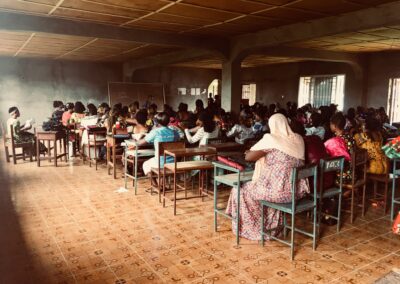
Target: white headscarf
{"points": [[281, 138]]}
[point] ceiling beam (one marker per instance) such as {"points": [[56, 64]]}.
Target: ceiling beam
{"points": [[47, 24], [165, 59], [307, 54], [384, 15]]}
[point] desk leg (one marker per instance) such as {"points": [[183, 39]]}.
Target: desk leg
{"points": [[38, 152], [215, 200], [238, 214], [175, 192], [108, 158], [55, 152], [126, 169], [49, 149], [135, 181], [65, 149]]}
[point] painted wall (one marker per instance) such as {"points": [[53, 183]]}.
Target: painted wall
{"points": [[381, 67], [280, 83], [33, 85], [179, 77]]}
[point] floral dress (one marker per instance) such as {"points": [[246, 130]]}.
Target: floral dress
{"points": [[273, 184], [376, 158]]}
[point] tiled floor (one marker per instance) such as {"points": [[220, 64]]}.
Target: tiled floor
{"points": [[68, 225]]}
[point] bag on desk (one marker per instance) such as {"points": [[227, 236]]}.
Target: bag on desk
{"points": [[231, 162]]}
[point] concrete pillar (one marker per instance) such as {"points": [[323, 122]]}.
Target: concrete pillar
{"points": [[231, 93]]}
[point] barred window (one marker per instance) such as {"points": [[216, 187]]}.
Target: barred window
{"points": [[322, 90], [393, 104]]}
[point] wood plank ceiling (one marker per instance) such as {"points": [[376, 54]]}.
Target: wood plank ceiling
{"points": [[223, 18]]}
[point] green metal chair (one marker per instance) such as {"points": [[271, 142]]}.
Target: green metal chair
{"points": [[335, 164], [395, 174], [293, 208], [235, 179]]}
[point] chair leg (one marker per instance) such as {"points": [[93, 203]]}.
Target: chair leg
{"points": [[315, 228], [262, 225], [352, 207], [292, 237], [14, 156], [339, 216], [284, 225], [363, 200], [215, 204], [385, 195], [174, 193], [7, 154]]}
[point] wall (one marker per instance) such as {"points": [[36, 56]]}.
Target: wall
{"points": [[381, 67], [32, 85], [178, 77], [280, 83]]}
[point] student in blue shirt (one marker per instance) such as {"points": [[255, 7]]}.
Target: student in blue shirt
{"points": [[160, 133]]}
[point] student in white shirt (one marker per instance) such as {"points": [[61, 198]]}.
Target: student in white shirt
{"points": [[205, 129], [243, 130], [316, 128]]}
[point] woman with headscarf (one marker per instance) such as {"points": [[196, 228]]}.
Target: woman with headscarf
{"points": [[275, 156]]}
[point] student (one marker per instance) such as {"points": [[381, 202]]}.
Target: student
{"points": [[21, 133], [316, 128], [199, 107], [160, 133], [371, 139], [133, 109], [276, 154], [342, 144], [206, 129], [243, 130], [79, 112], [58, 111], [140, 129], [91, 118], [151, 112], [259, 124], [103, 112], [69, 109]]}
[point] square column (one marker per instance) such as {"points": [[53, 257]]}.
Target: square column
{"points": [[231, 86]]}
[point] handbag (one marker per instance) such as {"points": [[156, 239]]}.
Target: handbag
{"points": [[392, 148]]}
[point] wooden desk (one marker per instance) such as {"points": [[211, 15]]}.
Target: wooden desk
{"points": [[113, 140], [54, 136], [227, 147], [183, 167]]}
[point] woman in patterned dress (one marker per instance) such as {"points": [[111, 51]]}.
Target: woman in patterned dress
{"points": [[371, 139], [341, 145], [275, 155]]}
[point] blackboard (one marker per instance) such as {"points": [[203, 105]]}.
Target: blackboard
{"points": [[127, 93]]}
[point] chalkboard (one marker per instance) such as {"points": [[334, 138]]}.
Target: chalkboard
{"points": [[144, 93]]}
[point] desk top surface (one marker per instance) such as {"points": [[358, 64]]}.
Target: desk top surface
{"points": [[187, 152]]}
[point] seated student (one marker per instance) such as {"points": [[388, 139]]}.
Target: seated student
{"points": [[79, 113], [243, 130], [275, 156], [371, 139], [103, 112], [140, 129], [259, 125], [133, 109], [151, 112], [342, 144], [91, 118], [199, 107], [186, 118], [206, 129], [21, 134], [58, 111], [159, 133], [316, 128], [69, 109]]}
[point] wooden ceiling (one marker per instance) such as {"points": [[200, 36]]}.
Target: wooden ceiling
{"points": [[217, 17], [222, 18], [19, 44]]}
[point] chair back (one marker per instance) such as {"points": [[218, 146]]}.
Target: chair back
{"points": [[215, 140], [162, 146], [359, 161], [334, 164], [309, 172]]}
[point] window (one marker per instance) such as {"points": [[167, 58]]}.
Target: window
{"points": [[322, 90], [213, 88], [249, 93], [393, 105]]}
